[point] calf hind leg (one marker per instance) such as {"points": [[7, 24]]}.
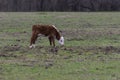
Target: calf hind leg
{"points": [[33, 39]]}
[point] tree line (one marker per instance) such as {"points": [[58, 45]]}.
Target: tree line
{"points": [[59, 5]]}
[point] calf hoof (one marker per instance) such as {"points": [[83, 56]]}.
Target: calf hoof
{"points": [[32, 46]]}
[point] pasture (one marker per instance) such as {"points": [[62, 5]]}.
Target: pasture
{"points": [[91, 51]]}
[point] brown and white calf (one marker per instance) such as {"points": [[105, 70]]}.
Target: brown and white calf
{"points": [[47, 30]]}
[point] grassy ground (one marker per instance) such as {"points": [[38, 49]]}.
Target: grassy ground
{"points": [[91, 50]]}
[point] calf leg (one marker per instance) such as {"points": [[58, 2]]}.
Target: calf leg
{"points": [[33, 39], [52, 40]]}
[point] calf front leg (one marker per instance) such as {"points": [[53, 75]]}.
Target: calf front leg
{"points": [[52, 40]]}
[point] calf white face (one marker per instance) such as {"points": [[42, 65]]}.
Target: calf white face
{"points": [[61, 41]]}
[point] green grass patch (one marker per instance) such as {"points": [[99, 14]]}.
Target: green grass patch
{"points": [[91, 50]]}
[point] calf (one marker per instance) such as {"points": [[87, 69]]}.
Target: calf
{"points": [[49, 31]]}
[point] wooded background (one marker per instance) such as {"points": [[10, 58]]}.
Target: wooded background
{"points": [[59, 5]]}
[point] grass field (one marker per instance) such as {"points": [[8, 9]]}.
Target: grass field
{"points": [[91, 51]]}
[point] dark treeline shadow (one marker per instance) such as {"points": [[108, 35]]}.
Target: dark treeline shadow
{"points": [[59, 5]]}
